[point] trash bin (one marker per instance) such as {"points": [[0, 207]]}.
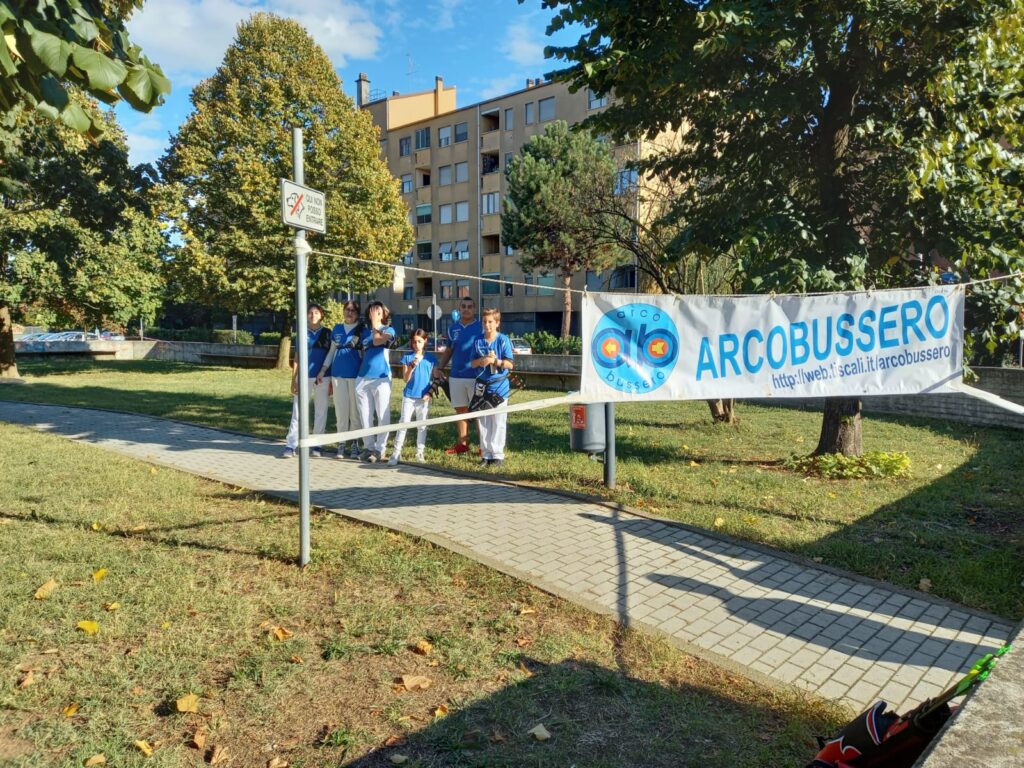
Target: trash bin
{"points": [[586, 428]]}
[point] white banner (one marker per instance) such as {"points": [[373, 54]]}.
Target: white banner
{"points": [[652, 347]]}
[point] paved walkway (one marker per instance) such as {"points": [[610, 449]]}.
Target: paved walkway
{"points": [[837, 635]]}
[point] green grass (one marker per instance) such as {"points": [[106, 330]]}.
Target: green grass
{"points": [[956, 521], [203, 576]]}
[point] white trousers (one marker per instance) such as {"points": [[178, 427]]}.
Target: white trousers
{"points": [[318, 394], [492, 435], [412, 408], [373, 398], [345, 408]]}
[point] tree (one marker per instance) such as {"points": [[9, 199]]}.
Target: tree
{"points": [[225, 162], [548, 214], [78, 242], [54, 44], [828, 147]]}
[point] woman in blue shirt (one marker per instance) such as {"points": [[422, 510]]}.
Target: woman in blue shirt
{"points": [[343, 361], [373, 383], [318, 342]]}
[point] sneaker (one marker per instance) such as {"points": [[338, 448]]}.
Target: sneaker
{"points": [[354, 453], [341, 454], [458, 448], [484, 463], [374, 457], [316, 453], [288, 453], [393, 461], [365, 455], [420, 457], [497, 462]]}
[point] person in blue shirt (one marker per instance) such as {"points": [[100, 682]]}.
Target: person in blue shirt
{"points": [[343, 361], [493, 361], [461, 339], [417, 367], [318, 342], [373, 382]]}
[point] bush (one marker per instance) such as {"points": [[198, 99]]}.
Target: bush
{"points": [[270, 338], [836, 466], [227, 336], [219, 336], [544, 343]]}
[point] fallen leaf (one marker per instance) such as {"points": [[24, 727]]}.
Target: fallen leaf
{"points": [[89, 627], [111, 606], [217, 755], [440, 711], [96, 526], [27, 679], [199, 739], [818, 559], [540, 733], [497, 736], [415, 682], [99, 575], [165, 625], [44, 592], [526, 611], [423, 647], [522, 641], [394, 741], [277, 762], [138, 690], [397, 759], [719, 522], [71, 709], [281, 633], [694, 463], [99, 759], [523, 668], [144, 747], [297, 660], [925, 585], [188, 703], [152, 470]]}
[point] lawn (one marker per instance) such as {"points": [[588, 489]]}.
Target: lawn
{"points": [[955, 523], [384, 647]]}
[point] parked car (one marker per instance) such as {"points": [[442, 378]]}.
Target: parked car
{"points": [[519, 346]]}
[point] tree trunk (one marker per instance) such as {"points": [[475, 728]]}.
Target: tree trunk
{"points": [[841, 427], [566, 311], [723, 411], [284, 347], [8, 365]]}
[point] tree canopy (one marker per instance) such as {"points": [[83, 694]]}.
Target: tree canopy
{"points": [[224, 164], [550, 216]]}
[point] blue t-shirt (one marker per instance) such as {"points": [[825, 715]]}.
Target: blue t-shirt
{"points": [[346, 359], [375, 363], [496, 380], [418, 384], [462, 338], [318, 343]]}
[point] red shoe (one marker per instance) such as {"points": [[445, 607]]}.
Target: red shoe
{"points": [[458, 448]]}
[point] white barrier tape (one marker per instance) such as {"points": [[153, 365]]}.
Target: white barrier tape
{"points": [[355, 434]]}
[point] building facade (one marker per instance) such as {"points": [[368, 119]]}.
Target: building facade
{"points": [[450, 162]]}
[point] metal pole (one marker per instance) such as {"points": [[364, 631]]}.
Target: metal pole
{"points": [[433, 303], [301, 249], [609, 445]]}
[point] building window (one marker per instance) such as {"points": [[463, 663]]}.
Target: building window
{"points": [[462, 286], [491, 284], [423, 251], [508, 159], [444, 136], [407, 293], [625, 181], [462, 211], [546, 107], [408, 258], [594, 101], [424, 178], [527, 115], [541, 285], [406, 183], [509, 288], [423, 213], [447, 287], [488, 164], [461, 172], [509, 118], [423, 138], [461, 132], [509, 250], [384, 147], [490, 202], [444, 175], [405, 146], [623, 278], [462, 250], [444, 213], [444, 251]]}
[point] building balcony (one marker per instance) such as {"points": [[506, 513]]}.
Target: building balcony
{"points": [[491, 182], [490, 224], [423, 195], [423, 158], [491, 141]]}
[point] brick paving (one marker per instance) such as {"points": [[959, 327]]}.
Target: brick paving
{"points": [[834, 634]]}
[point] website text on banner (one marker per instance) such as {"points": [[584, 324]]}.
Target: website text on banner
{"points": [[698, 347]]}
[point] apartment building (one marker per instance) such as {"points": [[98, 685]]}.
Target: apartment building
{"points": [[450, 162]]}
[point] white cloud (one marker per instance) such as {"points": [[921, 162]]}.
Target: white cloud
{"points": [[522, 48], [146, 147], [499, 86], [444, 12], [190, 36]]}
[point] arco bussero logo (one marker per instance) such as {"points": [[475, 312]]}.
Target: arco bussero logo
{"points": [[635, 348]]}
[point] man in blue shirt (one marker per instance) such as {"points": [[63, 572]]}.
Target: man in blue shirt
{"points": [[461, 351], [318, 342]]}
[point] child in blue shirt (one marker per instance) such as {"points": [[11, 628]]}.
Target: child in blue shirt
{"points": [[343, 361], [318, 342], [493, 361], [373, 383], [417, 368]]}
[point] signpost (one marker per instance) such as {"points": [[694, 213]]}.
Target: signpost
{"points": [[434, 313], [302, 208]]}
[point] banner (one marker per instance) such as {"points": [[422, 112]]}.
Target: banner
{"points": [[653, 347]]}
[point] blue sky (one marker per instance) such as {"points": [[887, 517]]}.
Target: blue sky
{"points": [[484, 47]]}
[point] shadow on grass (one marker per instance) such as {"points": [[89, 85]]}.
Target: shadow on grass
{"points": [[603, 719]]}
